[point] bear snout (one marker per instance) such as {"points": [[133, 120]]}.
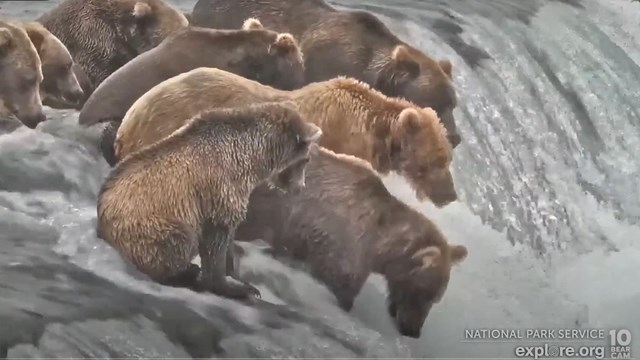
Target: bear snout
{"points": [[443, 198], [410, 319], [32, 120], [454, 139], [74, 95], [409, 326], [410, 332]]}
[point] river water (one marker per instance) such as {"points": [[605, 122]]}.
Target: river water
{"points": [[547, 173]]}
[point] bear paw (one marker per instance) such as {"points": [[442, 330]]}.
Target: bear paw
{"points": [[234, 289]]}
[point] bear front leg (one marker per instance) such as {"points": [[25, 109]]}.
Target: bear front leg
{"points": [[214, 250], [345, 290], [231, 264], [107, 139]]}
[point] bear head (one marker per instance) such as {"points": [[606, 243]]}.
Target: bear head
{"points": [[148, 22], [422, 281], [20, 75], [420, 152], [291, 140], [59, 83], [275, 59], [410, 74]]}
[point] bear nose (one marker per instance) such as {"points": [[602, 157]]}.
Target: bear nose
{"points": [[32, 120], [75, 94], [410, 331], [454, 139], [443, 198]]}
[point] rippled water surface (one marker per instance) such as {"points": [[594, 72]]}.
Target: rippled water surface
{"points": [[548, 174]]}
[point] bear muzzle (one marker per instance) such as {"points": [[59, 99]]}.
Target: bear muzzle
{"points": [[31, 120], [443, 198]]}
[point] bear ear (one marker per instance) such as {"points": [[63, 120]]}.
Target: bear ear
{"points": [[36, 34], [429, 256], [141, 10], [404, 63], [447, 67], [458, 253], [285, 44], [408, 122], [6, 38], [252, 24]]}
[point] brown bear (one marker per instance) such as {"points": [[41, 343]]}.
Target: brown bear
{"points": [[60, 87], [103, 35], [344, 226], [20, 75], [185, 195], [252, 52], [349, 43], [390, 133]]}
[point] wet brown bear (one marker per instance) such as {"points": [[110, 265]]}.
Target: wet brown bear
{"points": [[390, 133], [263, 55], [349, 43], [344, 226], [20, 75], [103, 35], [60, 87], [185, 195]]}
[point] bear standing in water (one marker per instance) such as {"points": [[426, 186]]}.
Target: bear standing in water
{"points": [[349, 43], [20, 75], [344, 226], [392, 134], [103, 35], [186, 194]]}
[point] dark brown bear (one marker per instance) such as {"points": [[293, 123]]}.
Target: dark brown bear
{"points": [[60, 84], [253, 53], [350, 43], [344, 226], [185, 195], [103, 35], [20, 75]]}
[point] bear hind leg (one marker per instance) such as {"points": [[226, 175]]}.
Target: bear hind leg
{"points": [[167, 260], [185, 279]]}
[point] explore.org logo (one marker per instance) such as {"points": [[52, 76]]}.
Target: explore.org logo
{"points": [[559, 343]]}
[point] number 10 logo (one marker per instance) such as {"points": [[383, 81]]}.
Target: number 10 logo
{"points": [[620, 337]]}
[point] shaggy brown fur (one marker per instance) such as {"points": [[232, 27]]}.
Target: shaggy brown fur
{"points": [[344, 226], [59, 85], [392, 134], [349, 43], [186, 194], [20, 75], [262, 55], [103, 35]]}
